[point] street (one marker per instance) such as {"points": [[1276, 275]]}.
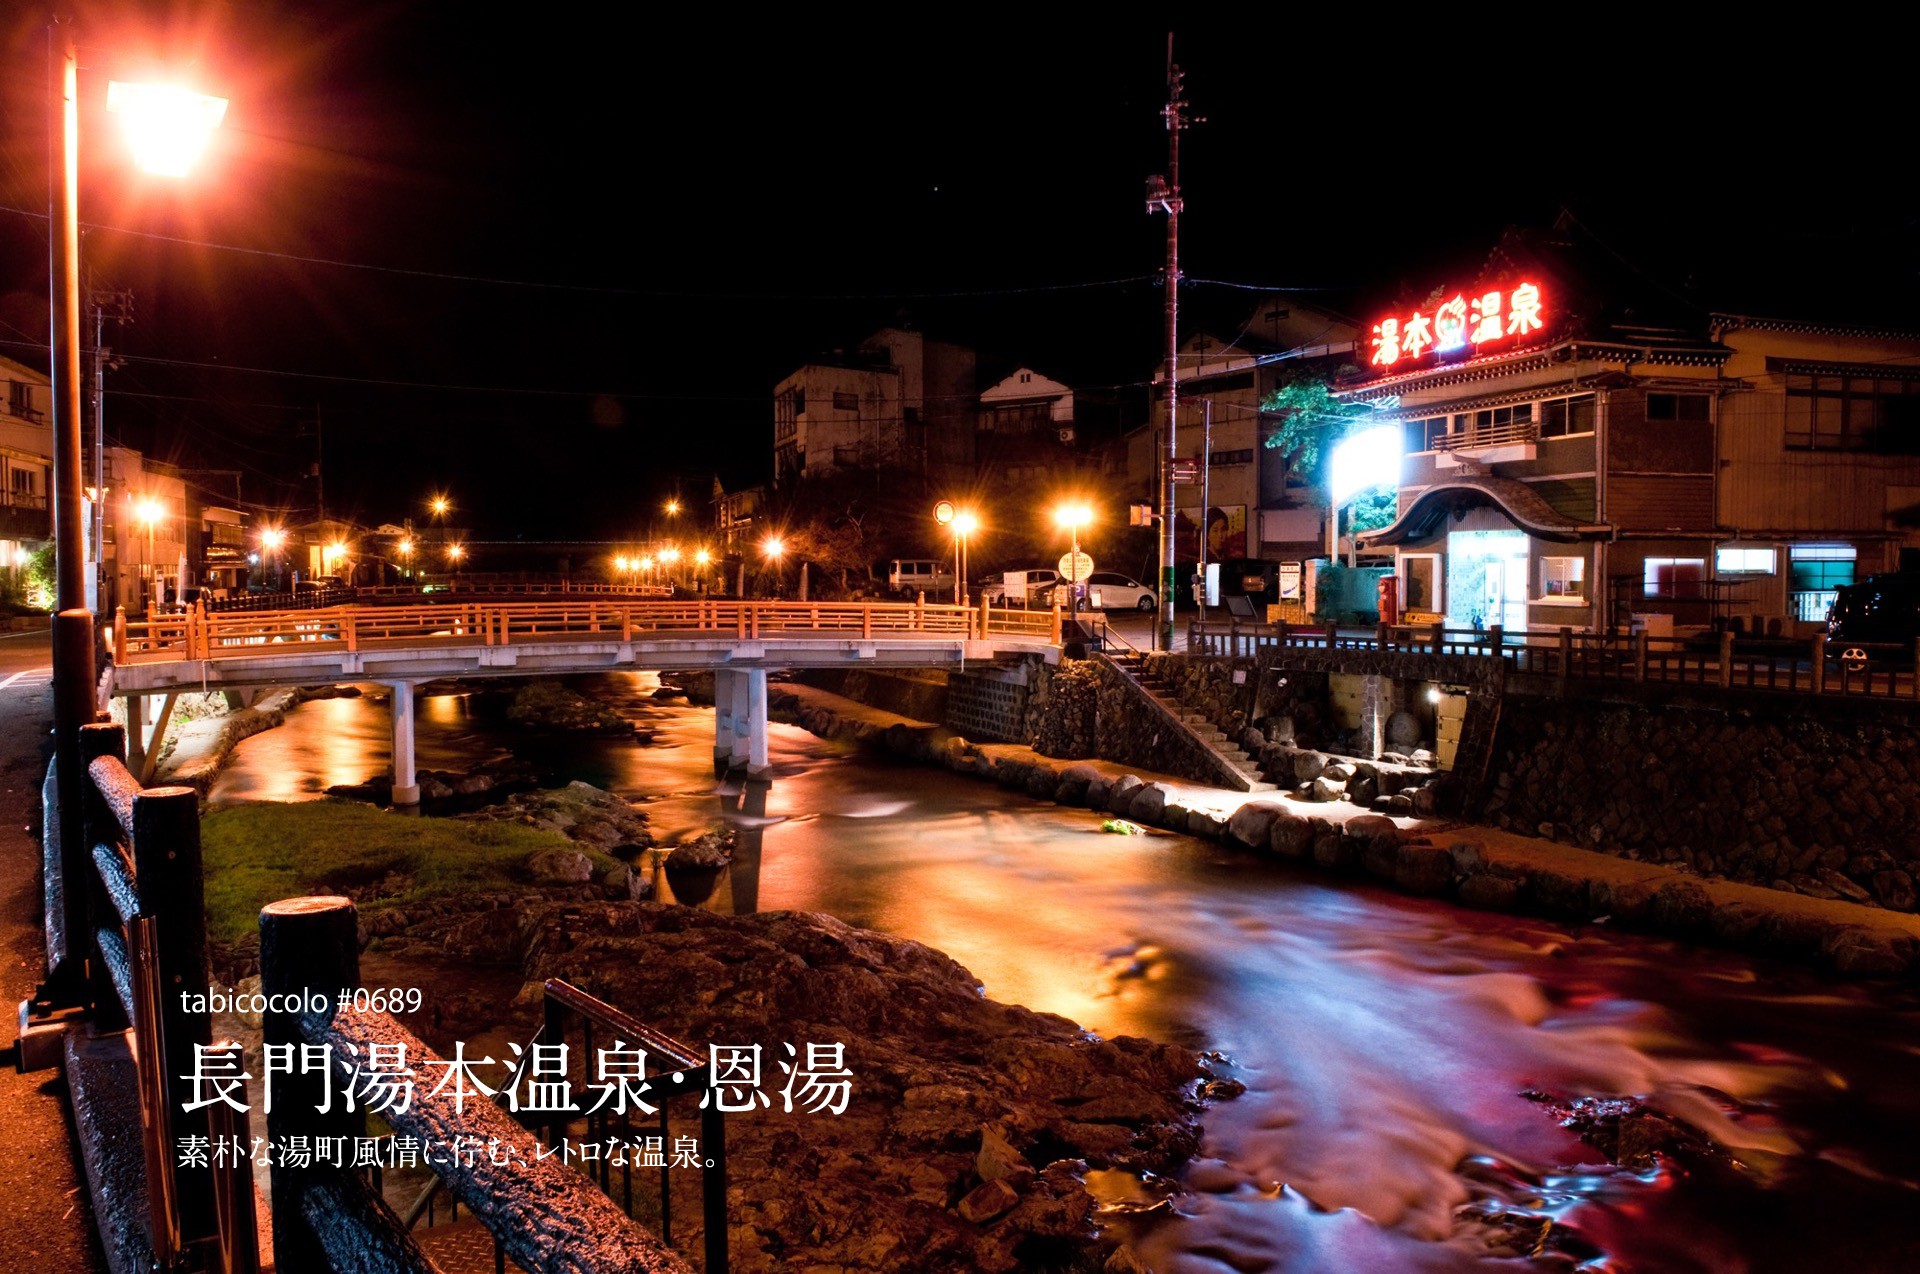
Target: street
{"points": [[46, 1224]]}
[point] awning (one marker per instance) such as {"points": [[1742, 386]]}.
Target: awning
{"points": [[1520, 502]]}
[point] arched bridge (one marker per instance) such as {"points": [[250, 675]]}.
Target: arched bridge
{"points": [[401, 646]]}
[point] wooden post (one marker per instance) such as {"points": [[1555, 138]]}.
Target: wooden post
{"points": [[167, 878], [307, 946], [1497, 639], [1819, 663], [1726, 658], [1333, 634], [73, 708], [866, 619], [353, 632], [626, 623], [1439, 637], [920, 612], [1381, 638], [1566, 658], [1056, 619], [1640, 656], [986, 617], [98, 826], [120, 634]]}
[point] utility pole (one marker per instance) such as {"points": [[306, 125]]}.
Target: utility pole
{"points": [[1163, 195], [1206, 504], [117, 305], [319, 466]]}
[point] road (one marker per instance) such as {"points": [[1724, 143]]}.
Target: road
{"points": [[46, 1225]]}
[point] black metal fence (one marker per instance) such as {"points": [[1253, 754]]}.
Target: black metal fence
{"points": [[1723, 660]]}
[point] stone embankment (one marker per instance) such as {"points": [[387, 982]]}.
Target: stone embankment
{"points": [[969, 1125], [1485, 869]]}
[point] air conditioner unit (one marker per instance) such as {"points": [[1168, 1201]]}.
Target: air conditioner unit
{"points": [[1066, 435]]}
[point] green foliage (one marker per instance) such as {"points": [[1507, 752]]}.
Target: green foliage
{"points": [[255, 854], [1373, 509], [1311, 422]]}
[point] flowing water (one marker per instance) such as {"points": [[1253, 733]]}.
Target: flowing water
{"points": [[1385, 1041]]}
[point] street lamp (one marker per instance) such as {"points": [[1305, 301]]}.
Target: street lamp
{"points": [[405, 549], [773, 548], [167, 127], [702, 559], [1071, 518], [149, 512], [965, 523], [673, 508], [272, 539]]}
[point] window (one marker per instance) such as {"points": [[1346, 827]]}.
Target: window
{"points": [[844, 401], [1815, 574], [1563, 417], [1853, 413], [1495, 417], [1674, 576], [1563, 579], [1420, 583], [1745, 561], [1422, 435], [19, 398], [1687, 407], [1220, 458], [22, 481]]}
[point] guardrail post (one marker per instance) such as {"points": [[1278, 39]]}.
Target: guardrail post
{"points": [[1726, 659], [1497, 639], [1566, 659], [167, 878], [920, 612], [1439, 635], [352, 628], [98, 826], [1640, 656], [986, 617], [626, 623], [1819, 663], [73, 707], [308, 946], [120, 634], [1333, 634], [1056, 619], [1380, 637]]}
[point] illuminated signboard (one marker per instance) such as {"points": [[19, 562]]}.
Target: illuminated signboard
{"points": [[1463, 325]]}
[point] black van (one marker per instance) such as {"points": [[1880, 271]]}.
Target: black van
{"points": [[1881, 610]]}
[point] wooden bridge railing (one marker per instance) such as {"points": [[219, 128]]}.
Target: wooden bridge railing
{"points": [[144, 902], [1723, 660], [195, 634]]}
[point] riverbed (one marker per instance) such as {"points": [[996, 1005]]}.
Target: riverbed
{"points": [[1386, 1042]]}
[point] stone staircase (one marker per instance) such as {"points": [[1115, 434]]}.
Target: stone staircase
{"points": [[1231, 754]]}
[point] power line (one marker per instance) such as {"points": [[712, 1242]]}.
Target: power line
{"points": [[544, 285]]}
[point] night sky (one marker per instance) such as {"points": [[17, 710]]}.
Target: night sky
{"points": [[707, 207]]}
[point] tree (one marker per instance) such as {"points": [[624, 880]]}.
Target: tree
{"points": [[1311, 422]]}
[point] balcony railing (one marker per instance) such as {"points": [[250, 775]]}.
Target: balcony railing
{"points": [[1477, 437]]}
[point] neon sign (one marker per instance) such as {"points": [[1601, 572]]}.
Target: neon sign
{"points": [[1461, 324]]}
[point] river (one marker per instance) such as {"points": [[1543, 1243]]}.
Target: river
{"points": [[1385, 1041]]}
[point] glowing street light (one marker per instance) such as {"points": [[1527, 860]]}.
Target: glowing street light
{"points": [[1071, 517], [150, 512], [701, 557], [439, 505], [455, 552], [673, 508], [167, 127], [774, 547], [963, 523], [271, 539]]}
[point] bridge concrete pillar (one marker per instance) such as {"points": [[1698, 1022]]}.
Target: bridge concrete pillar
{"points": [[743, 722], [757, 723], [723, 723], [406, 788]]}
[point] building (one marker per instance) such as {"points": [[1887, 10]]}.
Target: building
{"points": [[899, 401], [737, 516], [26, 470], [1255, 505], [1578, 447]]}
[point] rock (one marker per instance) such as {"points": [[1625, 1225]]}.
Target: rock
{"points": [[548, 705], [1843, 886], [1099, 788], [1308, 766], [1680, 907], [1468, 856], [1124, 1260], [1328, 788], [987, 1201], [1403, 730], [1330, 849], [1861, 952], [1148, 802], [1362, 788], [1421, 801], [1120, 796], [1559, 894], [1489, 892], [1252, 823], [1208, 824], [1894, 889], [1175, 816], [1042, 782], [1424, 869], [434, 790], [1375, 845], [1076, 784], [1399, 803], [560, 867], [709, 850], [1252, 741], [997, 1157], [1629, 902], [1341, 771], [1291, 836], [474, 784]]}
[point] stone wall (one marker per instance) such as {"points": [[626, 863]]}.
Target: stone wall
{"points": [[990, 703], [921, 694], [1751, 791]]}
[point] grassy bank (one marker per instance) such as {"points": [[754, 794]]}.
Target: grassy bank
{"points": [[255, 854]]}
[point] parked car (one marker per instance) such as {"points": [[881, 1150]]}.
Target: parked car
{"points": [[1110, 590], [1880, 611], [914, 575], [1039, 585]]}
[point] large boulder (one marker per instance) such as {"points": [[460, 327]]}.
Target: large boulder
{"points": [[1252, 823], [1291, 835], [1120, 796], [1149, 800], [560, 867], [1423, 869], [1376, 844], [1075, 783], [1308, 766]]}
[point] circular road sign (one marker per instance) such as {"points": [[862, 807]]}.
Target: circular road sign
{"points": [[943, 512], [1075, 567]]}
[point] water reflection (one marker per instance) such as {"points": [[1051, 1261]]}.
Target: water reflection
{"points": [[1385, 1041]]}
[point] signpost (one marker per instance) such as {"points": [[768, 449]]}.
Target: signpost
{"points": [[1075, 567], [1186, 469]]}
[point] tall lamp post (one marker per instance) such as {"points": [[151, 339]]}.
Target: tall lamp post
{"points": [[965, 523], [775, 550], [272, 539], [1072, 517], [168, 129]]}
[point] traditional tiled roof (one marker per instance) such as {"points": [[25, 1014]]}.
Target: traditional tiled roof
{"points": [[1514, 498]]}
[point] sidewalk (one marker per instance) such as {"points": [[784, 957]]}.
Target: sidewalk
{"points": [[46, 1224]]}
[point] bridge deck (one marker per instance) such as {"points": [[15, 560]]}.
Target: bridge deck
{"points": [[531, 638]]}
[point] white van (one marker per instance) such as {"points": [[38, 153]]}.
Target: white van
{"points": [[911, 576]]}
